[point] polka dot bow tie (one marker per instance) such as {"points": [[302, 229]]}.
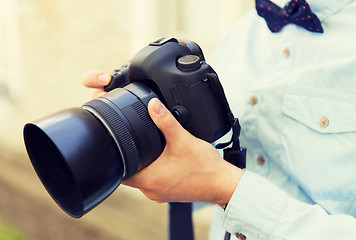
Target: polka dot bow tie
{"points": [[296, 11]]}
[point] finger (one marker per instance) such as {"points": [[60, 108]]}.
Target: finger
{"points": [[165, 121], [95, 79]]}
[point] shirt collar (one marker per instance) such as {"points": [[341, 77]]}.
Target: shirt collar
{"points": [[322, 8]]}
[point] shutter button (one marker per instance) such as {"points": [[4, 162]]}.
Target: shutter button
{"points": [[188, 63]]}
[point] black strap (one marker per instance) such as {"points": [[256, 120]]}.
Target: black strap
{"points": [[219, 93], [235, 154], [180, 223]]}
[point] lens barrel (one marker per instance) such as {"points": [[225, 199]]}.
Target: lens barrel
{"points": [[81, 155]]}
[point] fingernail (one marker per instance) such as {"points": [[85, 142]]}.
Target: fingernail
{"points": [[158, 107], [104, 78]]}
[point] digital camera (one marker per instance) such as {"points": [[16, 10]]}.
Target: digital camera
{"points": [[82, 154]]}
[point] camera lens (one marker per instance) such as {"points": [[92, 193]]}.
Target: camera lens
{"points": [[123, 112], [82, 154]]}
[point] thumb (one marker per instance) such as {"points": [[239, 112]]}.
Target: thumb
{"points": [[165, 121]]}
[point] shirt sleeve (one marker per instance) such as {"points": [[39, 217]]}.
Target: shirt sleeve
{"points": [[260, 210]]}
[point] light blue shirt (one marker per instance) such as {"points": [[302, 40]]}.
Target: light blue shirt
{"points": [[295, 95]]}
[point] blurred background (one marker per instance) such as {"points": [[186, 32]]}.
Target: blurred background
{"points": [[45, 47]]}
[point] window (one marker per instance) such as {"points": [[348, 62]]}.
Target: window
{"points": [[205, 22]]}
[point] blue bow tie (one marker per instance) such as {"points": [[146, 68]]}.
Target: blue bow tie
{"points": [[296, 11]]}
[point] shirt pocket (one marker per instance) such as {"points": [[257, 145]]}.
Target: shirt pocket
{"points": [[318, 144]]}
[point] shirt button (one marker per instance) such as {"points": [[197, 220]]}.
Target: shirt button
{"points": [[286, 52], [260, 161], [253, 100], [240, 236], [324, 122]]}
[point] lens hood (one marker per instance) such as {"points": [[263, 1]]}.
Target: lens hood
{"points": [[77, 172]]}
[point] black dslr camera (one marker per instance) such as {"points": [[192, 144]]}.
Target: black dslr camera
{"points": [[82, 154]]}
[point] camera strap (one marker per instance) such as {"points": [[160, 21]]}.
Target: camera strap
{"points": [[217, 89], [235, 154], [180, 222]]}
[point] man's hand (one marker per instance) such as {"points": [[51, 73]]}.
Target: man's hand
{"points": [[189, 169], [96, 79]]}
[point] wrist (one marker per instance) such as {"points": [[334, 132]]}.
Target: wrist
{"points": [[226, 182]]}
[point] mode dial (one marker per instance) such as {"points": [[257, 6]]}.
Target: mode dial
{"points": [[188, 63]]}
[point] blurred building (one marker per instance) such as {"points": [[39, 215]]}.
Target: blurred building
{"points": [[45, 46]]}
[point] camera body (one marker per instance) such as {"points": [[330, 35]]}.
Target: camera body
{"points": [[177, 72]]}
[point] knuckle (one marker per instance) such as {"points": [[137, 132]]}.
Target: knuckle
{"points": [[153, 196]]}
